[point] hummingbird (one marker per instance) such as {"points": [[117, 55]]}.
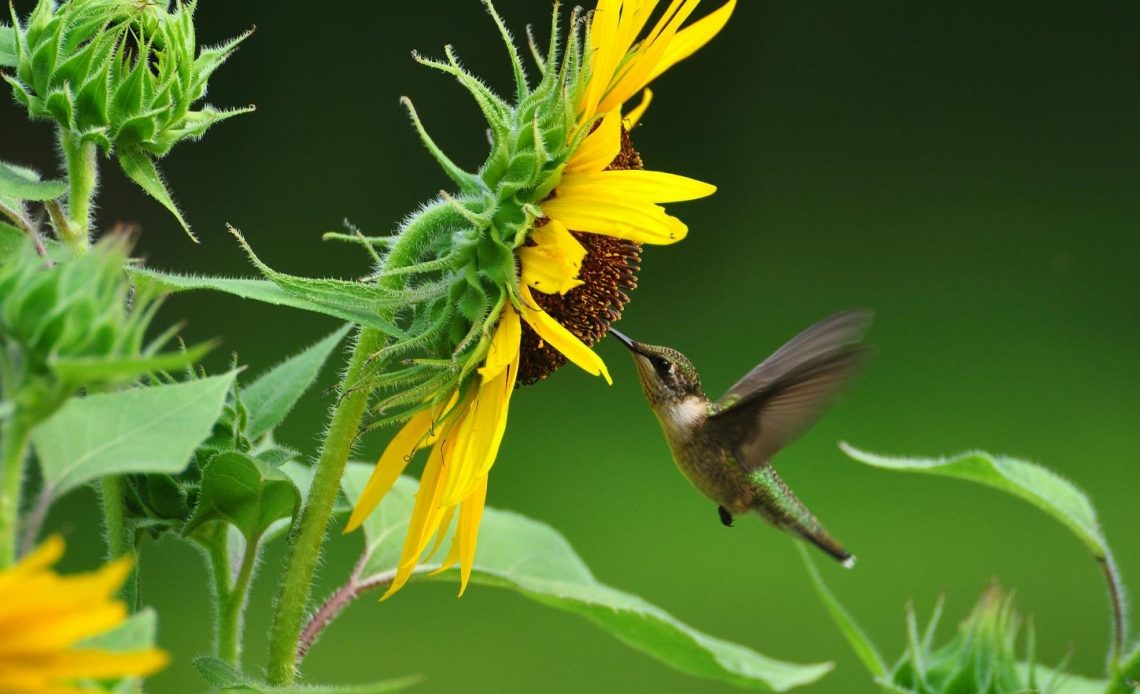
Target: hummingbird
{"points": [[725, 447]]}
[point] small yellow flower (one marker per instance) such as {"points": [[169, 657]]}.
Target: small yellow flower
{"points": [[43, 616], [583, 247]]}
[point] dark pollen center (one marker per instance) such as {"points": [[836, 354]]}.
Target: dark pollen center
{"points": [[609, 270]]}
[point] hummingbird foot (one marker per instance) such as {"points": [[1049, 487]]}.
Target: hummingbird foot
{"points": [[725, 516]]}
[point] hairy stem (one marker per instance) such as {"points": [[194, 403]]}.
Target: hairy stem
{"points": [[308, 531], [82, 178], [15, 437], [21, 222], [1116, 606], [231, 621], [112, 492]]}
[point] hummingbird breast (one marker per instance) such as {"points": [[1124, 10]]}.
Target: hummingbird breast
{"points": [[703, 460]]}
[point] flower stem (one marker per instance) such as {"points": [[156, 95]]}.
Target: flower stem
{"points": [[15, 437], [231, 621], [82, 177], [112, 491], [1125, 679], [308, 531]]}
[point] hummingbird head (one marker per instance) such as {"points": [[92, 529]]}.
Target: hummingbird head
{"points": [[667, 376]]}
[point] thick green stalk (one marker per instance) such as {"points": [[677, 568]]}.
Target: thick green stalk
{"points": [[82, 164], [308, 531], [119, 541], [231, 622], [15, 437]]}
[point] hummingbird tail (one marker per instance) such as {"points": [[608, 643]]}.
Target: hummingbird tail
{"points": [[819, 537], [780, 506]]}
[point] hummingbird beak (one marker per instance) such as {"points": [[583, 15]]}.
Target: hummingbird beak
{"points": [[625, 340]]}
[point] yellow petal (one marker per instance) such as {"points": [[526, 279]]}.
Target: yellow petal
{"points": [[419, 524], [599, 149], [693, 37], [91, 664], [559, 337], [654, 186], [552, 264], [391, 465], [632, 220], [504, 348], [633, 118], [488, 422], [653, 49], [468, 531]]}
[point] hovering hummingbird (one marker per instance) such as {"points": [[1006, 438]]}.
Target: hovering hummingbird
{"points": [[725, 448]]}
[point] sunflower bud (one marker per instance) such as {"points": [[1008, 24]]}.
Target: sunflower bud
{"points": [[982, 657], [76, 324], [121, 75]]}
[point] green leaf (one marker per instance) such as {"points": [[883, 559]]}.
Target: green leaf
{"points": [[140, 168], [19, 183], [1042, 488], [535, 560], [856, 637], [11, 239], [272, 396], [137, 633], [141, 430], [1056, 682], [8, 57], [247, 493], [266, 292], [225, 678]]}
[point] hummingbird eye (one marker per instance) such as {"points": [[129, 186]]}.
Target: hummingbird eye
{"points": [[662, 366]]}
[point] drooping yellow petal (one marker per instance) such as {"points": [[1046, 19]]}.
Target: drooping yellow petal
{"points": [[504, 348], [552, 264], [467, 533], [599, 148], [419, 524], [633, 118], [693, 37], [652, 186], [391, 465], [479, 444], [559, 337]]}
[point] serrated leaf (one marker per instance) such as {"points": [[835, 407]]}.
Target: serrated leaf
{"points": [[140, 168], [266, 292], [224, 678], [19, 183], [152, 429], [848, 627], [245, 492], [535, 560], [272, 396]]}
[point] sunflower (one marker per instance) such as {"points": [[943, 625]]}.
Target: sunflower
{"points": [[43, 616], [573, 260]]}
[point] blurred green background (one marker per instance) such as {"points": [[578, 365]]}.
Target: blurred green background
{"points": [[968, 170]]}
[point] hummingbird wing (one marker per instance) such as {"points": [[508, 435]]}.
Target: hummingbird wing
{"points": [[785, 395]]}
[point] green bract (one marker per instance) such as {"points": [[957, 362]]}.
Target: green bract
{"points": [[122, 75]]}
